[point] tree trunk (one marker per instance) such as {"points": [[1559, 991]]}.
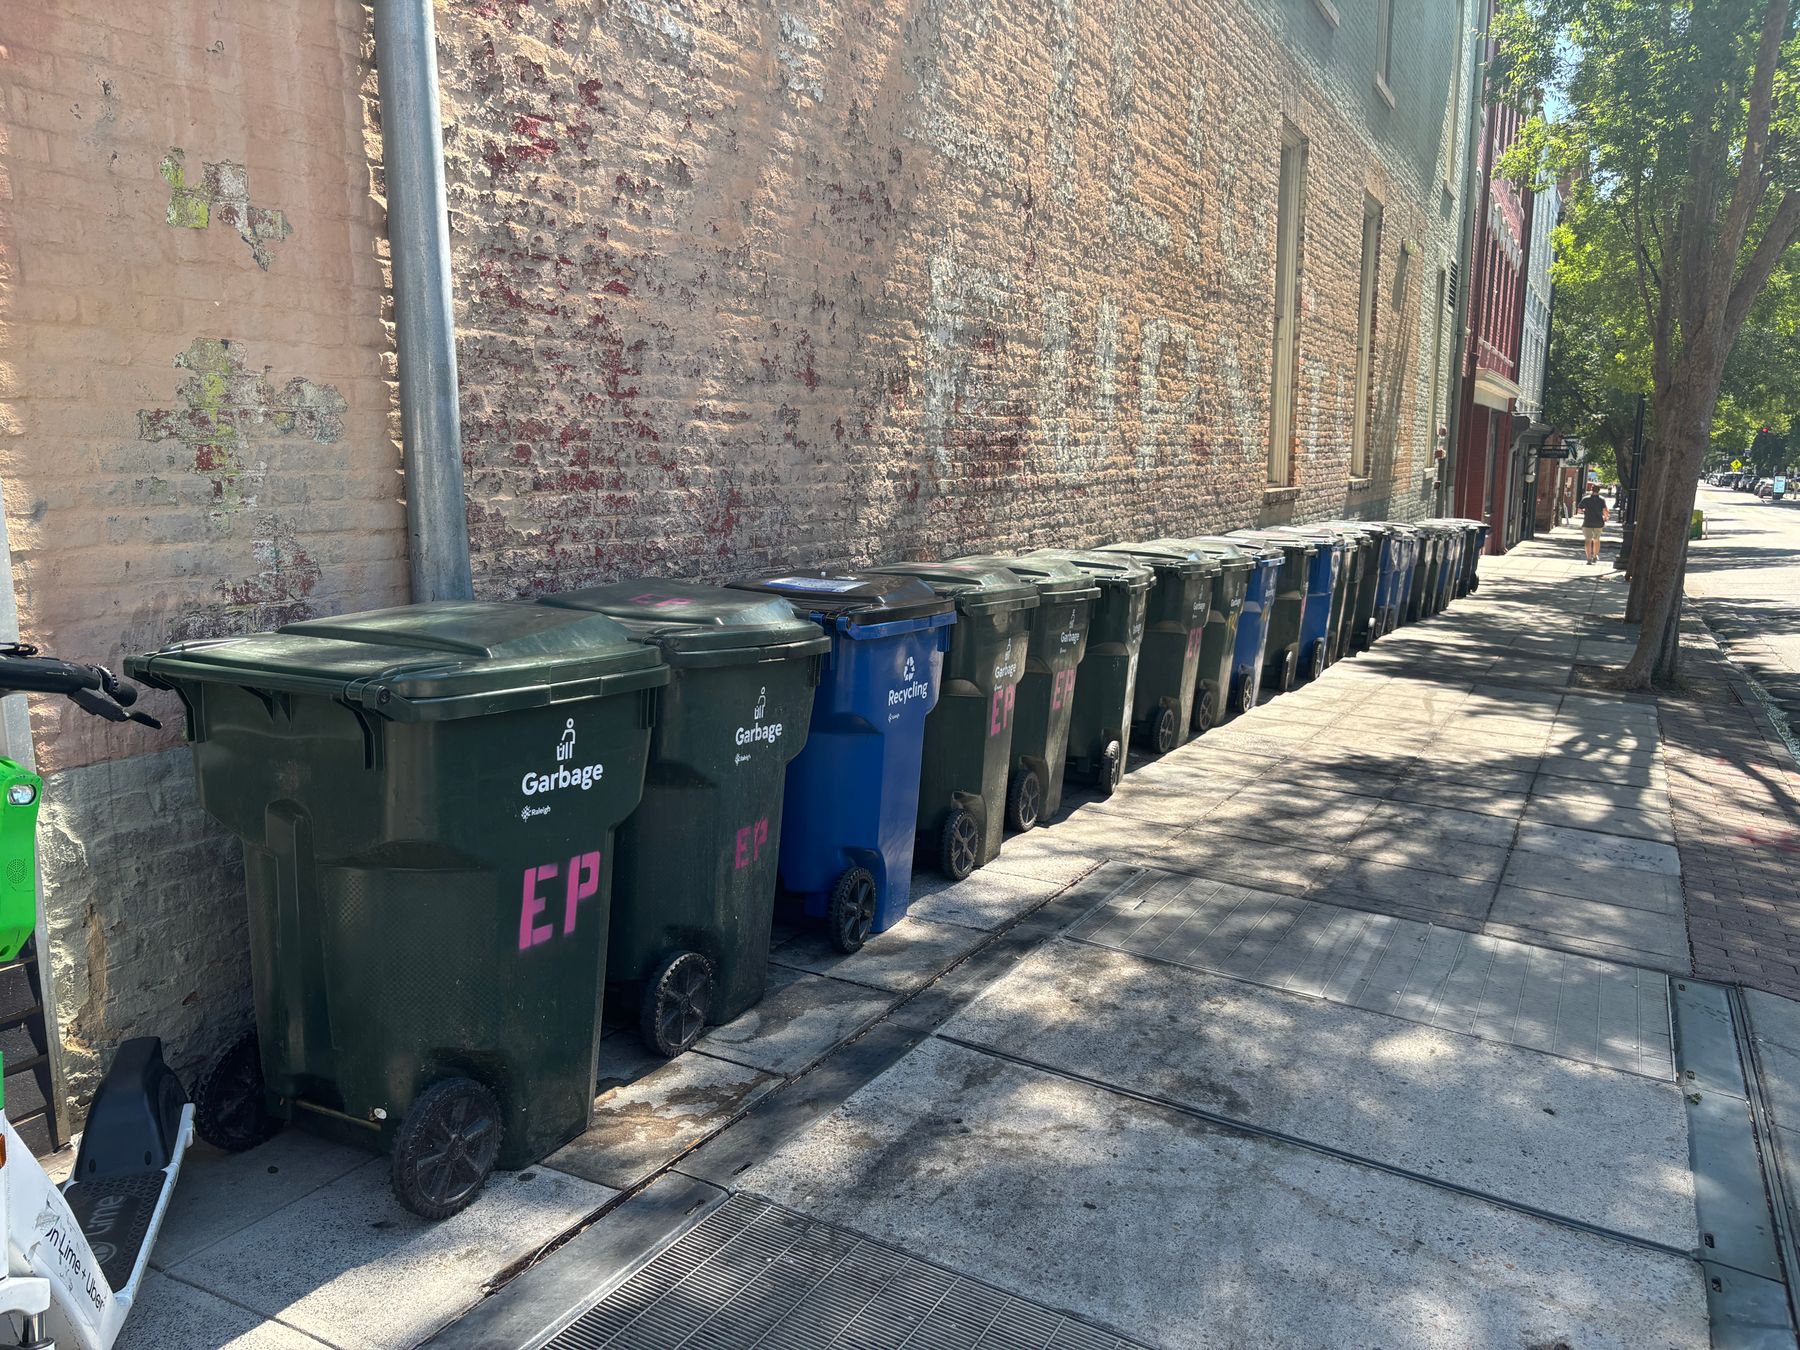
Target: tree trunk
{"points": [[1684, 425], [1668, 661], [1644, 538]]}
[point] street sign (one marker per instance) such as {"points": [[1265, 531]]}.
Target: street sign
{"points": [[1553, 452], [1736, 464]]}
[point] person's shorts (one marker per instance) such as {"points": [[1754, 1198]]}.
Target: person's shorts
{"points": [[1592, 533]]}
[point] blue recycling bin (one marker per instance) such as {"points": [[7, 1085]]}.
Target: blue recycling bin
{"points": [[1405, 568], [1456, 541], [852, 797], [1253, 620], [1325, 594], [1396, 566]]}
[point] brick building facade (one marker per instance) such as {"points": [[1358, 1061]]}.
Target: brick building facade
{"points": [[808, 283]]}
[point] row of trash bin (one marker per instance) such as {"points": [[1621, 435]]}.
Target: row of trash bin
{"points": [[471, 828]]}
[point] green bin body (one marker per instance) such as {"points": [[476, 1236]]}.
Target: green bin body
{"points": [[1281, 655], [1106, 681], [1169, 656], [1357, 632], [427, 799], [1046, 706], [1218, 644], [969, 735], [697, 863]]}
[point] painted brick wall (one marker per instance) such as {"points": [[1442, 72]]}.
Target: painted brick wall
{"points": [[194, 435], [821, 282], [737, 286]]}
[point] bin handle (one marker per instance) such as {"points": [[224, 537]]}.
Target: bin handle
{"points": [[289, 835]]}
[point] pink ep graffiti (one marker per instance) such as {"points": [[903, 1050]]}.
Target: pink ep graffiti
{"points": [[1062, 688], [1001, 709], [583, 882], [750, 841], [1194, 640]]}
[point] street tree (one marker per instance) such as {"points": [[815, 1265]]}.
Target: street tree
{"points": [[1682, 119]]}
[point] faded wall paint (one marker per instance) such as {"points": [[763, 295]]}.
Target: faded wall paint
{"points": [[194, 436]]}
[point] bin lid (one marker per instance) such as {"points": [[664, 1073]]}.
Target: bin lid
{"points": [[1233, 556], [1251, 549], [435, 661], [1167, 555], [699, 625], [1287, 542], [1055, 578], [977, 587], [853, 600], [1105, 570]]}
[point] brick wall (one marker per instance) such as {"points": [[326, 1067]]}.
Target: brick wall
{"points": [[736, 286], [194, 435], [816, 282]]}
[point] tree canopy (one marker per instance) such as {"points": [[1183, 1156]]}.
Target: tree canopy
{"points": [[1678, 128]]}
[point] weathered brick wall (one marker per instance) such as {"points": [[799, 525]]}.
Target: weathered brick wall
{"points": [[194, 434], [745, 285], [737, 286]]}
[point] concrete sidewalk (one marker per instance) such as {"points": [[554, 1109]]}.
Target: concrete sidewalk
{"points": [[1367, 1019]]}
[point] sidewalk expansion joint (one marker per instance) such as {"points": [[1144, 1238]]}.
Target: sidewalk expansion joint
{"points": [[1253, 1130], [1743, 1246]]}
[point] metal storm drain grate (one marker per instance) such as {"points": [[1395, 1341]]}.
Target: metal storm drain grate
{"points": [[752, 1274]]}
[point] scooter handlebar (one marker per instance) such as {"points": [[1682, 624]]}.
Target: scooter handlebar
{"points": [[93, 689]]}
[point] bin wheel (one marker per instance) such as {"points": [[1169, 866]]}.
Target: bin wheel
{"points": [[959, 844], [677, 999], [1290, 665], [230, 1110], [1024, 800], [850, 913], [1162, 731], [1316, 666], [1246, 699], [446, 1148], [1110, 771], [1474, 584], [1206, 711]]}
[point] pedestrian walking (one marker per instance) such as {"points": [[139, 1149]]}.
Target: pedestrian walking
{"points": [[1593, 520]]}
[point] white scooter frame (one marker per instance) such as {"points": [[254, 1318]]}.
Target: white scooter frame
{"points": [[76, 1253]]}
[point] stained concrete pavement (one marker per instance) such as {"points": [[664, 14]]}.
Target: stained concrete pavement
{"points": [[1366, 1019]]}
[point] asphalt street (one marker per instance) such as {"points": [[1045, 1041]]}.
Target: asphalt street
{"points": [[1744, 579]]}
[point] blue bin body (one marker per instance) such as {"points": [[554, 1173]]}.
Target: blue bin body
{"points": [[1404, 583], [1321, 582], [1253, 629], [852, 796]]}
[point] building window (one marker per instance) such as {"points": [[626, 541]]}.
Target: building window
{"points": [[1384, 50], [1363, 408], [1290, 239]]}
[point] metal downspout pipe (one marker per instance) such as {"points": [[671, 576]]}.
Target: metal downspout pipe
{"points": [[437, 527]]}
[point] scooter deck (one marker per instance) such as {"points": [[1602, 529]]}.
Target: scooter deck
{"points": [[115, 1213]]}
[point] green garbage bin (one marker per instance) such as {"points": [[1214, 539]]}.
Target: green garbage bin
{"points": [[1059, 638], [1106, 680], [1287, 621], [696, 870], [1362, 626], [426, 798], [969, 735], [1218, 643], [1169, 658]]}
